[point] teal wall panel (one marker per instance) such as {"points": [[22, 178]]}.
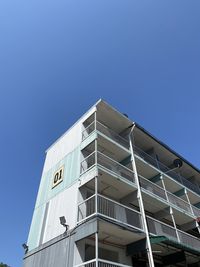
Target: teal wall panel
{"points": [[71, 163], [36, 225]]}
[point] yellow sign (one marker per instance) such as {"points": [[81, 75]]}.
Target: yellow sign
{"points": [[58, 177]]}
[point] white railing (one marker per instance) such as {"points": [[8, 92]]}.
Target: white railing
{"points": [[180, 203], [101, 263], [158, 228], [106, 131], [109, 209], [115, 167], [88, 130], [88, 162], [152, 188], [111, 134], [170, 173], [158, 191], [109, 164], [196, 211], [161, 229], [189, 240]]}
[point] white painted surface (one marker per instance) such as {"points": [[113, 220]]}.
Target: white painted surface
{"points": [[66, 143], [64, 204]]}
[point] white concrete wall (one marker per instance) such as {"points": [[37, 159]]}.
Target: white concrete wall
{"points": [[66, 143], [63, 204]]}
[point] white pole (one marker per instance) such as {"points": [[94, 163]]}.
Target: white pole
{"points": [[140, 200]]}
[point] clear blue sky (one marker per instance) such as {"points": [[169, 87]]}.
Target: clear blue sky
{"points": [[57, 58]]}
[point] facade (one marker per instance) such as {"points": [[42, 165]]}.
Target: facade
{"points": [[126, 199]]}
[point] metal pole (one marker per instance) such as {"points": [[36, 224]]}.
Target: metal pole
{"points": [[174, 223], [140, 200], [96, 210], [96, 248]]}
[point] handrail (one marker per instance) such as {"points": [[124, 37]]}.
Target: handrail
{"points": [[113, 263], [84, 263], [98, 122], [181, 179], [116, 162], [118, 203], [80, 203], [101, 261], [187, 205], [88, 156]]}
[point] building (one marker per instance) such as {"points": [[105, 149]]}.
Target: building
{"points": [[112, 195]]}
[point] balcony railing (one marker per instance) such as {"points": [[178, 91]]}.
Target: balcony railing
{"points": [[101, 128], [161, 167], [108, 164], [196, 211], [100, 263], [109, 209], [124, 215], [161, 229], [152, 188], [88, 130], [180, 203], [158, 191]]}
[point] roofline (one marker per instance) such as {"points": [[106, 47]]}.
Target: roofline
{"points": [[167, 147], [93, 106]]}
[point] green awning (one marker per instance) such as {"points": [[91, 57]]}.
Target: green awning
{"points": [[173, 243]]}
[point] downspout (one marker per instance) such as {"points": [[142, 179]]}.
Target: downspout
{"points": [[140, 200]]}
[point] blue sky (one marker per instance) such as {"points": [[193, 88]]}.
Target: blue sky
{"points": [[57, 58]]}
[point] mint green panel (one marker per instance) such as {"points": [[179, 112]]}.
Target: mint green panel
{"points": [[36, 225], [71, 163]]}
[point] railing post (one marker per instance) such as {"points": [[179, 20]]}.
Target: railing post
{"points": [[95, 121], [174, 223], [96, 248], [188, 199], [141, 204]]}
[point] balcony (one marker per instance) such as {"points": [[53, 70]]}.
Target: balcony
{"points": [[162, 168], [158, 228], [107, 164], [103, 130], [157, 191], [101, 263], [109, 209]]}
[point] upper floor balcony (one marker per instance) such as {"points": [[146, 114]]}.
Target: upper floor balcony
{"points": [[123, 215], [108, 167], [159, 167], [161, 194], [106, 132]]}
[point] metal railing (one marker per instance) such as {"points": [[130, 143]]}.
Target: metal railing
{"points": [[101, 263], [115, 167], [180, 203], [161, 167], [158, 228], [88, 162], [189, 240], [109, 164], [91, 263], [88, 130], [196, 211], [156, 190], [110, 209], [152, 188], [102, 129], [86, 208], [111, 134], [161, 229]]}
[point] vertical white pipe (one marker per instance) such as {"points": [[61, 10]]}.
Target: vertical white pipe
{"points": [[140, 200]]}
